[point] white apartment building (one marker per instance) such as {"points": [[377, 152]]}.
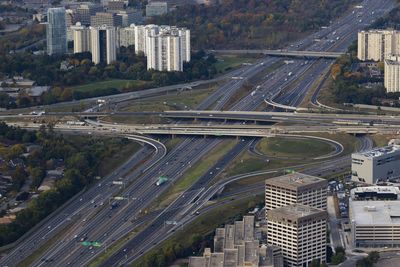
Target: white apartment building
{"points": [[392, 74], [164, 53], [126, 36], [295, 188], [103, 41], [81, 38], [300, 232], [378, 45], [379, 164]]}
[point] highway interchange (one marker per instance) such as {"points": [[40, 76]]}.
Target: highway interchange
{"points": [[89, 217]]}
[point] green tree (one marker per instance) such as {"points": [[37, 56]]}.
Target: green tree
{"points": [[37, 175], [18, 177]]}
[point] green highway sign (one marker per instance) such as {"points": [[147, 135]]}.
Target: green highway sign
{"points": [[96, 244], [86, 243]]}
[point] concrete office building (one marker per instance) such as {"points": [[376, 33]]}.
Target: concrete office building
{"points": [[235, 245], [374, 216], [300, 231], [379, 164], [126, 36], [378, 45], [295, 188], [117, 5], [70, 18], [81, 38], [56, 31], [106, 19], [103, 44], [392, 74], [156, 9], [130, 16], [84, 12]]}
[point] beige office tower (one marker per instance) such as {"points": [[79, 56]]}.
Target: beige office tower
{"points": [[295, 188], [81, 37], [378, 45], [103, 44], [300, 231]]}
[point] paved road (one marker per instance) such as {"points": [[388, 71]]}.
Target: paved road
{"points": [[145, 187]]}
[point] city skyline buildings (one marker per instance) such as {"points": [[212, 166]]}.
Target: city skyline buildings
{"points": [[56, 31]]}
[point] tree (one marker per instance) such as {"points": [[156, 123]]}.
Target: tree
{"points": [[369, 261], [18, 178], [336, 71], [37, 175], [16, 150], [338, 258], [315, 263]]}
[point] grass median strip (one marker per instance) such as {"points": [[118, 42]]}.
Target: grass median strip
{"points": [[195, 172]]}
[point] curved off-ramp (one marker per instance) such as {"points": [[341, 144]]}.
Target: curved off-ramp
{"points": [[336, 145]]}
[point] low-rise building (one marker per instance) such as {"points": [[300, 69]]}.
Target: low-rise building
{"points": [[156, 9], [376, 165], [375, 223], [235, 245], [106, 19]]}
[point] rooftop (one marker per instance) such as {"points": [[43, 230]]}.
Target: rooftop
{"points": [[297, 181], [375, 212], [295, 212], [380, 151]]}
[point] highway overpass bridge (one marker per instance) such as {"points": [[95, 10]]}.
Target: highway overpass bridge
{"points": [[236, 130], [283, 53]]}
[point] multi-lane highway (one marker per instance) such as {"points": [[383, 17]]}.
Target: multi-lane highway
{"points": [[107, 225]]}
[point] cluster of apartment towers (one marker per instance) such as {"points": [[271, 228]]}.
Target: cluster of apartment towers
{"points": [[165, 47], [384, 46], [296, 227]]}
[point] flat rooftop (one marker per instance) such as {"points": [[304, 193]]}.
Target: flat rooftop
{"points": [[296, 212], [375, 212], [377, 152], [297, 181]]}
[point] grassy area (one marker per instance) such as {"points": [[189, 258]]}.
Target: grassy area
{"points": [[112, 249], [116, 159], [118, 84], [247, 162], [194, 173], [382, 139], [293, 148], [35, 255], [205, 224], [171, 101], [228, 62], [173, 142]]}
